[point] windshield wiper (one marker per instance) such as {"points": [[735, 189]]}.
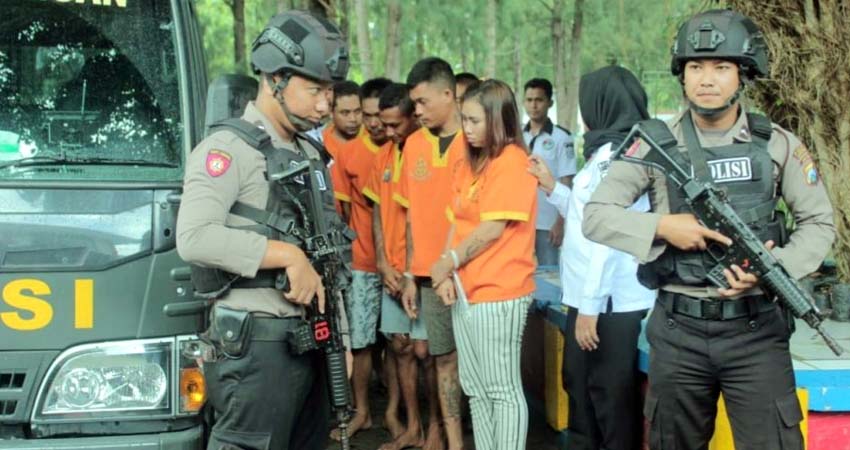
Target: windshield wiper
{"points": [[57, 160]]}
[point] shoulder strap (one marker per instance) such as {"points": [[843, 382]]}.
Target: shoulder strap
{"points": [[760, 126], [696, 153], [253, 135], [313, 148]]}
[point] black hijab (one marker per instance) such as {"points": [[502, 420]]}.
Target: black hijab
{"points": [[611, 101]]}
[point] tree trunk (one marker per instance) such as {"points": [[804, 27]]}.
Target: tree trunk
{"points": [[364, 47], [517, 63], [806, 92], [573, 69], [284, 5], [420, 43], [392, 65], [237, 7], [558, 54], [492, 19]]}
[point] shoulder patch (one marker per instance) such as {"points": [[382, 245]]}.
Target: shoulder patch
{"points": [[811, 174], [218, 161], [802, 155]]}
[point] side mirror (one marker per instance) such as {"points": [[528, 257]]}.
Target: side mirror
{"points": [[227, 97]]}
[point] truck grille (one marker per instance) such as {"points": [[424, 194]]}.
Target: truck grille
{"points": [[20, 372], [12, 380], [7, 407]]}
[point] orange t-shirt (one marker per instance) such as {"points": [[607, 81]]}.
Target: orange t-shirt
{"points": [[503, 191], [426, 191], [383, 183], [354, 165], [335, 146]]}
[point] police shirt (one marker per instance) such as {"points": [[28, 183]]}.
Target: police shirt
{"points": [[608, 222], [220, 171], [591, 272], [555, 146]]}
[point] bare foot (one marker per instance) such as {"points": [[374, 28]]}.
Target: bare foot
{"points": [[393, 425], [410, 438], [357, 423], [434, 440]]}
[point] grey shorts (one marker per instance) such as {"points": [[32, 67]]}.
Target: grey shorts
{"points": [[395, 321], [438, 321], [363, 305]]}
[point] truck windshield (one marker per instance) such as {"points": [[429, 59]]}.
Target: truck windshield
{"points": [[89, 91]]}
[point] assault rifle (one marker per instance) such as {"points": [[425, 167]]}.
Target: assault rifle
{"points": [[712, 208], [325, 248]]}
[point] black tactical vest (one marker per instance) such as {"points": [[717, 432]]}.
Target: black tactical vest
{"points": [[286, 215], [745, 172]]}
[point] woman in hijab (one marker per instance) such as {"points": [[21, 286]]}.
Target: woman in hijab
{"points": [[606, 302]]}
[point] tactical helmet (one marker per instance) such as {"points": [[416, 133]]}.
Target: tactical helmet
{"points": [[721, 34], [301, 43]]}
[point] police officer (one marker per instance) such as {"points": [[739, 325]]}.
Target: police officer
{"points": [[705, 340], [238, 228]]}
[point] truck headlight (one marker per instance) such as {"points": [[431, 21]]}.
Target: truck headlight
{"points": [[146, 377]]}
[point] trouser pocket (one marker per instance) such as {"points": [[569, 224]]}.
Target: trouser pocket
{"points": [[789, 416]]}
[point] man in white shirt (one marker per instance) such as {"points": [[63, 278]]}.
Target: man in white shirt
{"points": [[554, 145]]}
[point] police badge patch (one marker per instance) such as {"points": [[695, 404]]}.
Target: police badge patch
{"points": [[218, 161]]}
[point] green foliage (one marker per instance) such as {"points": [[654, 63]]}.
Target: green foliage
{"points": [[633, 33]]}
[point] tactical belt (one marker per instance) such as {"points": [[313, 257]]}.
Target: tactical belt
{"points": [[712, 309], [273, 329], [264, 279]]}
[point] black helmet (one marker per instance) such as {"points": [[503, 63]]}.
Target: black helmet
{"points": [[301, 43], [721, 34]]}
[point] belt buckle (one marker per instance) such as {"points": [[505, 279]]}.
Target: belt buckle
{"points": [[712, 309]]}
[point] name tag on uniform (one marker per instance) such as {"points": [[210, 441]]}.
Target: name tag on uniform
{"points": [[731, 169]]}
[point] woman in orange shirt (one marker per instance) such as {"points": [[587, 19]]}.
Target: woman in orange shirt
{"points": [[487, 269]]}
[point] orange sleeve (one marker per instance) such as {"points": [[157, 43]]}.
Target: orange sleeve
{"points": [[372, 188], [341, 182], [510, 191], [403, 196]]}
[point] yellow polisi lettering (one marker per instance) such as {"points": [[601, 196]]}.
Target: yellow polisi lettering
{"points": [[84, 303], [19, 294]]}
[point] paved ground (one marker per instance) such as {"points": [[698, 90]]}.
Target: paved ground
{"points": [[540, 435]]}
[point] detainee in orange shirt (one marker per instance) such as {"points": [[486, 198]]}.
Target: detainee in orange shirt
{"points": [[408, 338], [491, 246], [429, 155], [353, 166], [345, 125]]}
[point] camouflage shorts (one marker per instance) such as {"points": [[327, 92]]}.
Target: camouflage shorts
{"points": [[363, 305]]}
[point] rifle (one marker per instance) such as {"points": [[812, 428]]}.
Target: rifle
{"points": [[712, 208], [321, 331]]}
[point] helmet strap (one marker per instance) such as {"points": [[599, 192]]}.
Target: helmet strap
{"points": [[300, 123], [714, 112]]}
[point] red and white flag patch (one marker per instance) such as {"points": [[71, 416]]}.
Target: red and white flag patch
{"points": [[218, 161]]}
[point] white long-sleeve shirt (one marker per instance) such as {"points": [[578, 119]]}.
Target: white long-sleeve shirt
{"points": [[591, 272]]}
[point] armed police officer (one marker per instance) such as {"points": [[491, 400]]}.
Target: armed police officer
{"points": [[706, 340], [241, 226]]}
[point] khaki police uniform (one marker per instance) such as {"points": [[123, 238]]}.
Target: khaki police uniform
{"points": [[692, 359], [252, 411]]}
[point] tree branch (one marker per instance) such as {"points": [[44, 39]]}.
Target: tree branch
{"points": [[546, 5]]}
